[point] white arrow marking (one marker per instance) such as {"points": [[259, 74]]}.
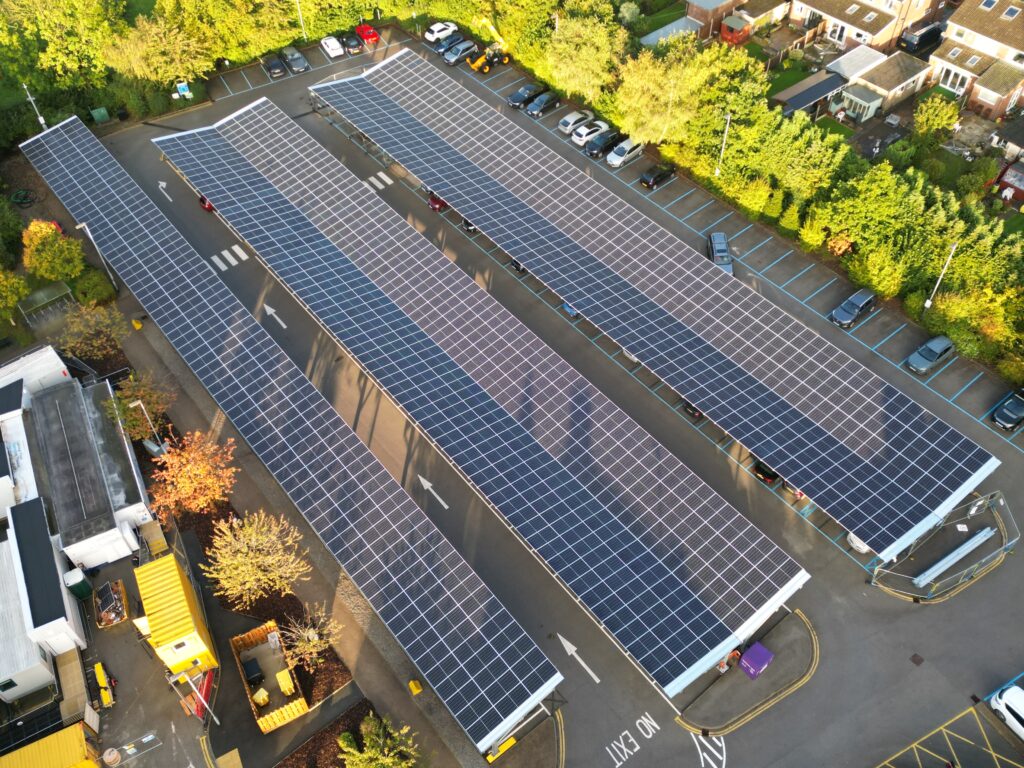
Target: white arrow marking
{"points": [[163, 188], [429, 488], [571, 650], [271, 312]]}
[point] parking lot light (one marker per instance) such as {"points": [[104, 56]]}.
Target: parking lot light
{"points": [[942, 274]]}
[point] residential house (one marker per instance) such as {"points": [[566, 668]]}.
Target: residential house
{"points": [[898, 77], [877, 23], [762, 12], [982, 56], [1009, 137]]}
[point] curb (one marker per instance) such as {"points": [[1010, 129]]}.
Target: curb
{"points": [[768, 703]]}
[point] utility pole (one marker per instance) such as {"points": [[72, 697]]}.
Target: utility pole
{"points": [[942, 274], [298, 5], [32, 101], [725, 136]]}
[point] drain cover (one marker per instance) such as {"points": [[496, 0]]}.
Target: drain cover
{"points": [[917, 659]]}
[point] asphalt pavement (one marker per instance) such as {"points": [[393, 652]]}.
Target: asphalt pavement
{"points": [[867, 698]]}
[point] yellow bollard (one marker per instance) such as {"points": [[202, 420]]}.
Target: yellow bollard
{"points": [[415, 688]]}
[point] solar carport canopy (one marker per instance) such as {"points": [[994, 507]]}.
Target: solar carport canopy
{"points": [[465, 644], [868, 455], [672, 571]]}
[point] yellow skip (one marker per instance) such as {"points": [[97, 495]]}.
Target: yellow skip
{"points": [[505, 747]]}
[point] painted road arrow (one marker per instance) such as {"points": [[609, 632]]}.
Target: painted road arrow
{"points": [[429, 488], [571, 650], [163, 188], [271, 312]]}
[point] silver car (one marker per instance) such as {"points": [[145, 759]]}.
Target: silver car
{"points": [[574, 120], [458, 52], [930, 355], [294, 60]]}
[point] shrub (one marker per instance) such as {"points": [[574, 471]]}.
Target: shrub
{"points": [[900, 154], [812, 233], [934, 168], [753, 196], [773, 207], [93, 287], [789, 224], [10, 235], [913, 304], [997, 206], [629, 13]]}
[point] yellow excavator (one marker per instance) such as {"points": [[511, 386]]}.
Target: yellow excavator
{"points": [[493, 55]]}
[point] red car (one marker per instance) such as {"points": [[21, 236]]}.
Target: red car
{"points": [[368, 34], [436, 203], [205, 204]]}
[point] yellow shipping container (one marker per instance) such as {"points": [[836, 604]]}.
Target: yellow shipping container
{"points": [[73, 747], [176, 627]]}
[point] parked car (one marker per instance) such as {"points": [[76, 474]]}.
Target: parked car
{"points": [[543, 104], [588, 131], [574, 120], [691, 409], [525, 95], [916, 40], [468, 225], [353, 43], [718, 252], [602, 144], [275, 67], [654, 176], [853, 309], [624, 152], [439, 30], [295, 61], [205, 204], [1009, 413], [930, 355], [436, 204], [770, 477], [458, 52], [332, 47], [518, 266], [368, 34], [445, 44], [1008, 706]]}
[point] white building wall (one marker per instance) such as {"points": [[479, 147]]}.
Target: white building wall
{"points": [[99, 550], [39, 370]]}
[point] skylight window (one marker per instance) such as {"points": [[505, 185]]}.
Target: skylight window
{"points": [[988, 5], [954, 53], [1011, 12], [852, 9], [973, 60], [871, 16]]}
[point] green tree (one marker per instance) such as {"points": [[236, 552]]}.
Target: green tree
{"points": [[934, 119], [156, 398], [50, 255], [382, 746], [773, 208], [255, 557], [583, 55], [629, 13], [878, 269], [160, 51], [813, 232], [10, 234], [789, 223], [900, 154], [13, 289], [648, 100], [93, 287], [92, 332]]}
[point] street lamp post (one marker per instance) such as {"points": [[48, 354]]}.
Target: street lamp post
{"points": [[725, 136], [32, 101], [298, 6], [85, 228], [141, 405], [942, 274]]}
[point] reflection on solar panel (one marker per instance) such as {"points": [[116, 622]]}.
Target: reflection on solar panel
{"points": [[867, 454], [465, 644], [662, 561]]}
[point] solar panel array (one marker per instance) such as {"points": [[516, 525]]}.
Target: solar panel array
{"points": [[466, 645], [662, 561], [865, 452]]}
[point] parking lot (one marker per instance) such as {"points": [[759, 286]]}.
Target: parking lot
{"points": [[867, 639]]}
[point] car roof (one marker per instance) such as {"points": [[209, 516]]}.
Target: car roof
{"points": [[1014, 696], [938, 342], [718, 237], [862, 295]]}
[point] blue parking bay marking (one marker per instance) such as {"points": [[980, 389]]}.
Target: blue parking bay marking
{"points": [[756, 247], [798, 274], [742, 230], [716, 222], [686, 193], [691, 213], [819, 290], [951, 361], [889, 336], [783, 256], [966, 386]]}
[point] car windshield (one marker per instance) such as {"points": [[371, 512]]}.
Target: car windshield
{"points": [[1015, 405], [621, 150], [928, 353], [849, 306]]}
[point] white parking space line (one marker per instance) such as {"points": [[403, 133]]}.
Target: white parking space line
{"points": [[385, 178], [229, 258], [242, 255], [220, 264], [376, 183]]}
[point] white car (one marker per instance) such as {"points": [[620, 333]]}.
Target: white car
{"points": [[1008, 705], [587, 131], [574, 120], [625, 151], [332, 48], [439, 31]]}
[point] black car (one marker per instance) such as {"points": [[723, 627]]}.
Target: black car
{"points": [[764, 473], [1009, 414], [468, 225], [853, 309], [275, 67], [653, 177], [525, 95], [543, 104], [441, 46], [691, 409], [602, 144], [351, 43], [916, 41]]}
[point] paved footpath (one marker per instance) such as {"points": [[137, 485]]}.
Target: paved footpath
{"points": [[377, 662]]}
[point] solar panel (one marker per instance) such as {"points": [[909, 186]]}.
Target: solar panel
{"points": [[660, 559], [864, 452], [466, 645]]}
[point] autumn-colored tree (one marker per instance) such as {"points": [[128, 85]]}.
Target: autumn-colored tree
{"points": [[382, 746], [50, 255], [255, 557], [193, 475], [155, 397], [13, 289], [310, 637], [92, 332]]}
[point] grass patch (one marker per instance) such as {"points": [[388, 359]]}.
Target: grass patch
{"points": [[647, 24], [787, 77], [937, 90], [954, 166], [834, 126], [1014, 223], [135, 8], [756, 50]]}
